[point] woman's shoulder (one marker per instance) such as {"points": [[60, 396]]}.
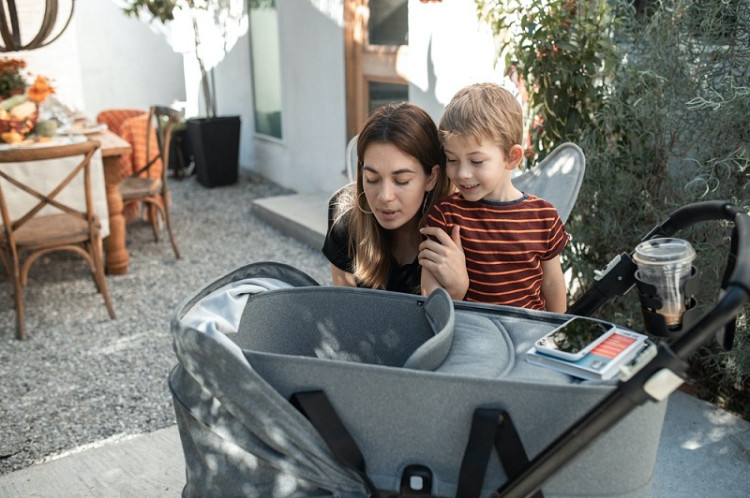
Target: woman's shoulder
{"points": [[343, 197], [336, 244]]}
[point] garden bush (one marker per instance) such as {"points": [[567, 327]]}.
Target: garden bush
{"points": [[668, 125]]}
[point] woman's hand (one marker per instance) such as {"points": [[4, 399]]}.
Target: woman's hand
{"points": [[443, 256], [341, 277]]}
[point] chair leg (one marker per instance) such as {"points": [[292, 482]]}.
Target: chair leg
{"points": [[99, 278], [153, 215], [93, 263], [18, 301], [168, 222]]}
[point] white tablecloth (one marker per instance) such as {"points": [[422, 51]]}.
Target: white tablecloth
{"points": [[19, 202]]}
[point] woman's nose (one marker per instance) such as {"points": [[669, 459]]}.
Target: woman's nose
{"points": [[386, 191]]}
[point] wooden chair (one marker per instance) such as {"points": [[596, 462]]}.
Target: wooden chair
{"points": [[142, 185], [114, 118], [62, 227]]}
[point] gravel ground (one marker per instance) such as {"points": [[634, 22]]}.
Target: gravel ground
{"points": [[80, 377]]}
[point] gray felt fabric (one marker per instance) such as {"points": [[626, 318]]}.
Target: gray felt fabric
{"points": [[439, 314], [240, 435]]}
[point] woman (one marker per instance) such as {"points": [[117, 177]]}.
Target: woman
{"points": [[373, 237]]}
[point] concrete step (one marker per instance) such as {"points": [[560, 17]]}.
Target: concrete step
{"points": [[302, 216]]}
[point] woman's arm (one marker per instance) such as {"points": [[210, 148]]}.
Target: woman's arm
{"points": [[341, 277], [429, 282], [553, 285], [443, 262]]}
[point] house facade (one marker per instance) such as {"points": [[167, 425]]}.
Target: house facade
{"points": [[302, 74]]}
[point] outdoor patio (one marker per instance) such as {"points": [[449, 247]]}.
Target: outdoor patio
{"points": [[86, 405], [79, 377]]}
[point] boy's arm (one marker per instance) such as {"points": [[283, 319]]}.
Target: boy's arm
{"points": [[553, 285]]}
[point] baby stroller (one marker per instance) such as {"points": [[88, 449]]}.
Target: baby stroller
{"points": [[287, 388]]}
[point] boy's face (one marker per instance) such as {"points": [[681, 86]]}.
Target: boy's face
{"points": [[479, 169]]}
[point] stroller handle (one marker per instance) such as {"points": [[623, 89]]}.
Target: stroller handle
{"points": [[619, 276], [672, 358], [739, 264]]}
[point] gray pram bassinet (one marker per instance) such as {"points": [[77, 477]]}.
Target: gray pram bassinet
{"points": [[404, 375]]}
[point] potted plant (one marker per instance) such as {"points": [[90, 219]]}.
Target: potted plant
{"points": [[214, 140]]}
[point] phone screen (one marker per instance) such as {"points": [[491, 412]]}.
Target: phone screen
{"points": [[574, 336]]}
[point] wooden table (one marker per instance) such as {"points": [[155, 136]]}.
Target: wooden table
{"points": [[117, 258]]}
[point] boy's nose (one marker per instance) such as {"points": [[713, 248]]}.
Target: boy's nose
{"points": [[463, 170]]}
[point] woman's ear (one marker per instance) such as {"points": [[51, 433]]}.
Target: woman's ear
{"points": [[432, 179], [514, 157]]}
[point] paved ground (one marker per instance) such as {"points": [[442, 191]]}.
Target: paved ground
{"points": [[703, 452], [67, 433], [79, 377]]}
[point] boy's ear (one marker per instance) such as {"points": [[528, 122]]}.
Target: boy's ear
{"points": [[432, 179], [515, 156]]}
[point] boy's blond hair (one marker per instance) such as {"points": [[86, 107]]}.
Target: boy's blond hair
{"points": [[484, 111]]}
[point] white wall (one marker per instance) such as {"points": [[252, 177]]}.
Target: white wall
{"points": [[107, 60], [448, 49], [310, 156], [125, 62]]}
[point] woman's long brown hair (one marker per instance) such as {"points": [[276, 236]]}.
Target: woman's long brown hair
{"points": [[412, 131]]}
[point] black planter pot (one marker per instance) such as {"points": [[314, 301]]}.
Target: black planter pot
{"points": [[215, 144]]}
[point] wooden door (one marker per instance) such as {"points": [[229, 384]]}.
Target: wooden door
{"points": [[376, 37]]}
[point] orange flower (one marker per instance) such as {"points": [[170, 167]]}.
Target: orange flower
{"points": [[40, 90], [8, 65]]}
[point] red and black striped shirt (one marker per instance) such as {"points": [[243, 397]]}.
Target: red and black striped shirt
{"points": [[504, 244]]}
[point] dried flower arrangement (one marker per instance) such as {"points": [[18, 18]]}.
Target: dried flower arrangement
{"points": [[19, 107]]}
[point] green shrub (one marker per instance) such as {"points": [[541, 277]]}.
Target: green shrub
{"points": [[670, 126], [561, 51]]}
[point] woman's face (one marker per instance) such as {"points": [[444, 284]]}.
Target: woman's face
{"points": [[394, 184]]}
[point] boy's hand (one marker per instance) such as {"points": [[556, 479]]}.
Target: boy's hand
{"points": [[443, 256]]}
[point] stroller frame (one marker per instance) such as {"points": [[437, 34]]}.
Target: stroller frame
{"points": [[667, 370], [652, 380]]}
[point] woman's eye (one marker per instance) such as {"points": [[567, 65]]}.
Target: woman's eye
{"points": [[401, 182], [450, 160], [476, 162]]}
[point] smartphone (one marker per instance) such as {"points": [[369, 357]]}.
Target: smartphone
{"points": [[574, 338]]}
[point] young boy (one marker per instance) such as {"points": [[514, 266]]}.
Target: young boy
{"points": [[511, 240]]}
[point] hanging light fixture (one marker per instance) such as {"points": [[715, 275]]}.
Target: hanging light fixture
{"points": [[10, 27]]}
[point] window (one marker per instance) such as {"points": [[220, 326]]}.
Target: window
{"points": [[266, 77], [388, 23], [383, 93]]}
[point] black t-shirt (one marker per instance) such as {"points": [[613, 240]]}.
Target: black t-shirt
{"points": [[402, 278]]}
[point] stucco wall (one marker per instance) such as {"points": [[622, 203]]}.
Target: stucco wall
{"points": [[125, 62], [448, 49], [107, 60], [310, 155]]}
